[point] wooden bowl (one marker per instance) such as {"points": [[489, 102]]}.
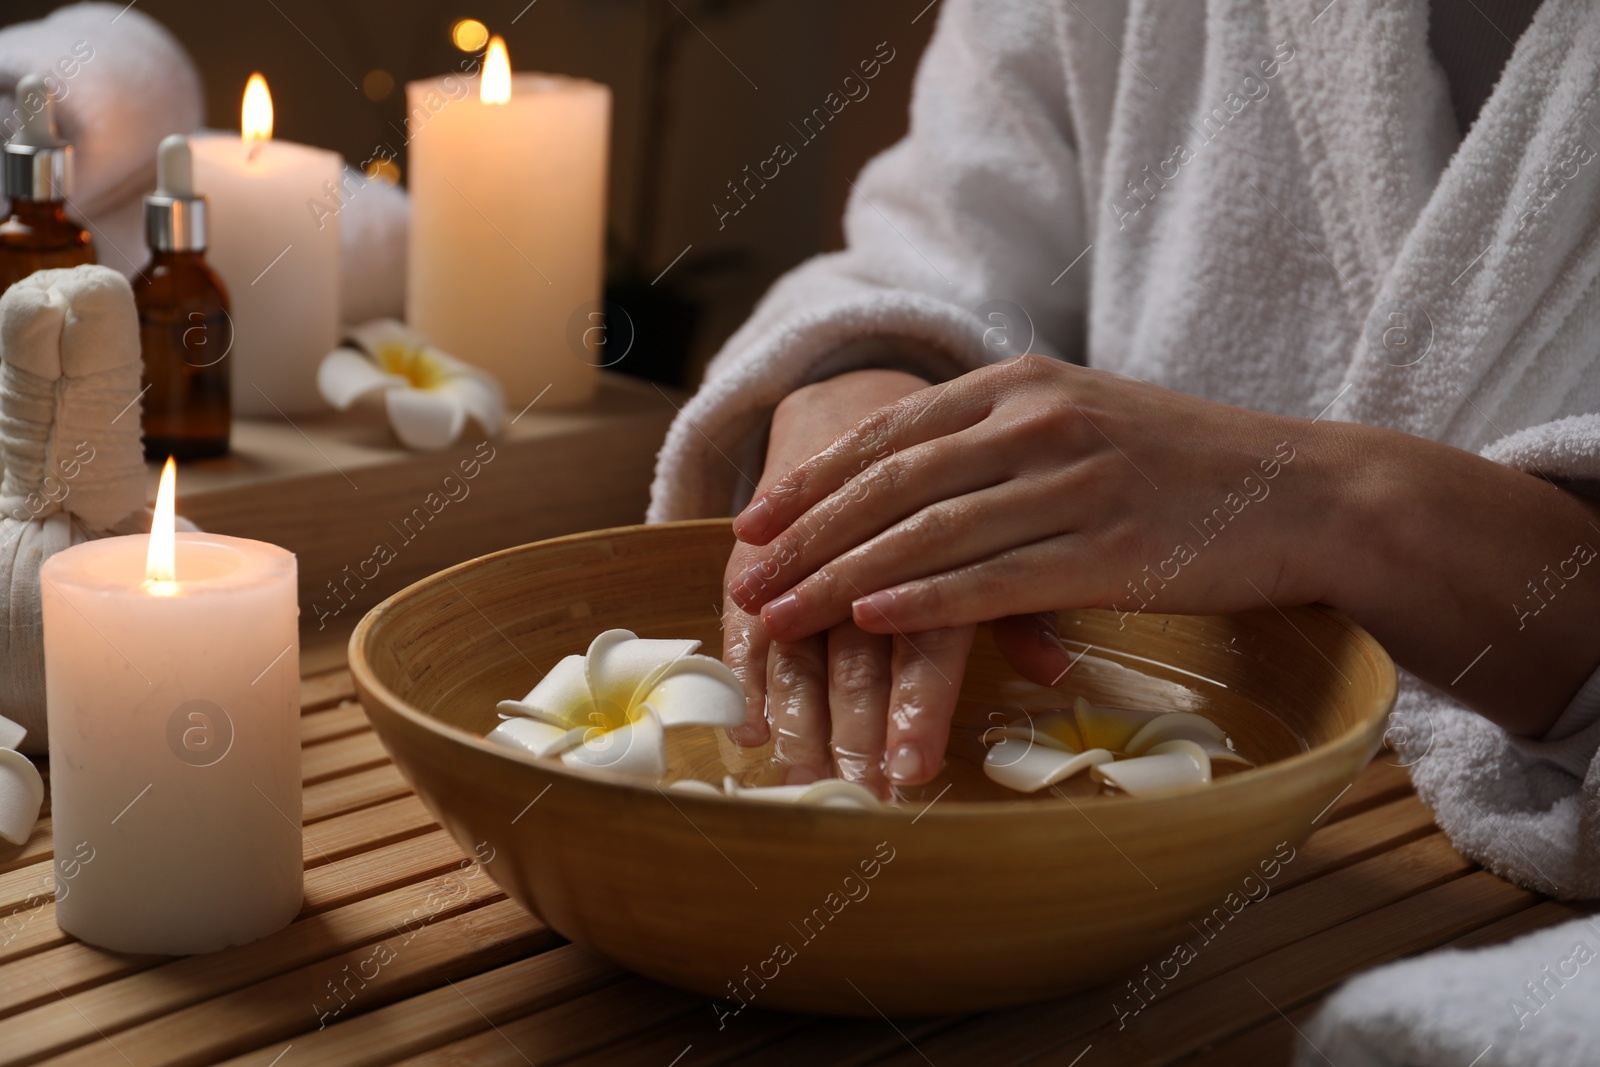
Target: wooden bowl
{"points": [[942, 905]]}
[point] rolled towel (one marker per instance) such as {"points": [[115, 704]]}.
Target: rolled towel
{"points": [[1533, 1002], [121, 83], [69, 447]]}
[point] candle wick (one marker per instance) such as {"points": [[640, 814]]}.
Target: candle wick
{"points": [[255, 148]]}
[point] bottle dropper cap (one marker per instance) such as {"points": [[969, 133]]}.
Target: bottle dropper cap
{"points": [[38, 163], [175, 215]]}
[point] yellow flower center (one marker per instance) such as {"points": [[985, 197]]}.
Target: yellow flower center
{"points": [[412, 363], [608, 715], [1060, 730]]}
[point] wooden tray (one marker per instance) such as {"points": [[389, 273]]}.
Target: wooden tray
{"points": [[405, 952]]}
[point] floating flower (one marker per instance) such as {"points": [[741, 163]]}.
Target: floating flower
{"points": [[21, 787], [1166, 752], [823, 793], [610, 707], [428, 394]]}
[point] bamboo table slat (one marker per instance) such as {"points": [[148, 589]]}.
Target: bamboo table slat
{"points": [[407, 953]]}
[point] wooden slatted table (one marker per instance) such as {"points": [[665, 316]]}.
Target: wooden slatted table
{"points": [[406, 953]]}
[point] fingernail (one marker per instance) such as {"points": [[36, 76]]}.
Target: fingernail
{"points": [[906, 764], [753, 519], [873, 607], [781, 612], [1048, 638]]}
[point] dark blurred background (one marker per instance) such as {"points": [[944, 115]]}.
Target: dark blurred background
{"points": [[718, 81]]}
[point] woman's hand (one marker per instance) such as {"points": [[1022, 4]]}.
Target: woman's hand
{"points": [[845, 697], [1034, 485]]}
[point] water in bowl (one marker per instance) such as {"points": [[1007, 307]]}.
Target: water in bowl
{"points": [[1255, 731]]}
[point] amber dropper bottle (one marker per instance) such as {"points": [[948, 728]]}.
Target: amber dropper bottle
{"points": [[36, 233], [185, 332]]}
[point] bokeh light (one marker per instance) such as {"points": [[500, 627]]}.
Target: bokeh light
{"points": [[377, 84], [383, 170], [469, 35]]}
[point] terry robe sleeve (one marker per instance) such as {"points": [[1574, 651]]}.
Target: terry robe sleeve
{"points": [[978, 203]]}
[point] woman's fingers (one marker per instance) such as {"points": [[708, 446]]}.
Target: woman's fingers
{"points": [[940, 538], [744, 650], [931, 413], [858, 700], [893, 490], [928, 668], [1031, 646], [1036, 577], [797, 698]]}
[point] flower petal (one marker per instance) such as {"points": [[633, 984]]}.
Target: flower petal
{"points": [[1171, 767], [345, 376], [540, 738], [767, 794], [1174, 724], [21, 794], [11, 733], [1109, 728], [838, 793], [1186, 726], [425, 420], [561, 698], [825, 793], [697, 689], [480, 397], [694, 785], [622, 668], [638, 749], [1221, 753], [370, 336], [1028, 767]]}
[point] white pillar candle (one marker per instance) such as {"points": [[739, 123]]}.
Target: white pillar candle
{"points": [[174, 725], [276, 246], [508, 224]]}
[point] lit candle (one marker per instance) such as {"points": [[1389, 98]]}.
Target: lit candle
{"points": [[508, 188], [172, 690], [275, 241]]}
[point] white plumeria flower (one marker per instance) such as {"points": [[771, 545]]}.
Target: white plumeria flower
{"points": [[428, 394], [1167, 752], [21, 787], [823, 793], [609, 707]]}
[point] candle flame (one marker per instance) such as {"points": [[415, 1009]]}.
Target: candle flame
{"points": [[159, 565], [255, 116], [495, 85]]}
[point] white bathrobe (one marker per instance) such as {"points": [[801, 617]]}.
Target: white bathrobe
{"points": [[1256, 203]]}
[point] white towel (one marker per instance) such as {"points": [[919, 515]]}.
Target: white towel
{"points": [[122, 83], [69, 442], [1243, 201], [1534, 1002]]}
